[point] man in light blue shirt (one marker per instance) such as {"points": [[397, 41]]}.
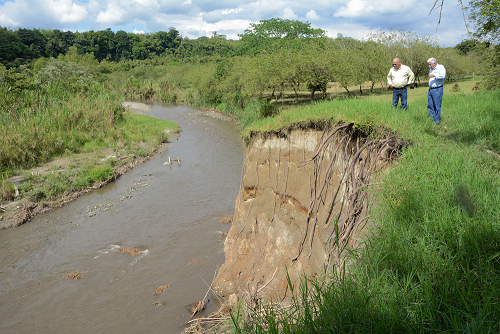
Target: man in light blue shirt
{"points": [[437, 73]]}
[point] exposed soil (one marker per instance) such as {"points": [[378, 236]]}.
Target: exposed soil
{"points": [[18, 212], [131, 250], [76, 275], [226, 220]]}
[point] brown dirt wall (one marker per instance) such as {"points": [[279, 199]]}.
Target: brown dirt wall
{"points": [[296, 192]]}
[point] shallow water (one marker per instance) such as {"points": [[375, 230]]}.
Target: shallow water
{"points": [[169, 211]]}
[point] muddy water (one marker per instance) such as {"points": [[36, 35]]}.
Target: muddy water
{"points": [[170, 212]]}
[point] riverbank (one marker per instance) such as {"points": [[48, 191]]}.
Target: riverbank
{"points": [[431, 260], [106, 163]]}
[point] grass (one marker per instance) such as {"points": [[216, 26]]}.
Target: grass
{"points": [[134, 137], [80, 128], [432, 264]]}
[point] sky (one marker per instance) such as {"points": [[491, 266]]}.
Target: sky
{"points": [[196, 18]]}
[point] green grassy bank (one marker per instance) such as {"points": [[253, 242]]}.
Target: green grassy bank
{"points": [[432, 263], [77, 123]]}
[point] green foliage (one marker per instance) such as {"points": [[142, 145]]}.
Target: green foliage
{"points": [[12, 49], [97, 174], [466, 46], [38, 121], [263, 35], [256, 109], [486, 16], [68, 74], [7, 189], [411, 48]]}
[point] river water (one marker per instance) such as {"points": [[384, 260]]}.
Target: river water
{"points": [[171, 212]]}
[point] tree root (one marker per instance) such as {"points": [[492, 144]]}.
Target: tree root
{"points": [[359, 170]]}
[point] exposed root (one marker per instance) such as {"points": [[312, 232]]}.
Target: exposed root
{"points": [[362, 157]]}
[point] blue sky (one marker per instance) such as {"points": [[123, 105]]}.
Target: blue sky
{"points": [[196, 18]]}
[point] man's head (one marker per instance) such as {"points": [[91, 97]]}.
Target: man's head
{"points": [[432, 63], [396, 63]]}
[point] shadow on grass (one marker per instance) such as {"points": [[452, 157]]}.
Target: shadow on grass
{"points": [[486, 135]]}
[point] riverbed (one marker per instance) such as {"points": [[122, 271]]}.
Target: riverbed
{"points": [[169, 212]]}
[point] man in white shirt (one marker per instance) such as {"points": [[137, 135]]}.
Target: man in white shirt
{"points": [[437, 73], [400, 76]]}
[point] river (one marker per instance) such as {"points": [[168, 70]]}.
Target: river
{"points": [[171, 212]]}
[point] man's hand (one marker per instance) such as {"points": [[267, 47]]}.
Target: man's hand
{"points": [[390, 87], [413, 85]]}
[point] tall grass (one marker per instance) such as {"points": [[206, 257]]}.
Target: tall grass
{"points": [[432, 263], [38, 124]]}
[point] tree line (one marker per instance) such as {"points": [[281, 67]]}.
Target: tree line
{"points": [[18, 47], [311, 62]]}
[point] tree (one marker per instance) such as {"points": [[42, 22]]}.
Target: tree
{"points": [[34, 40], [466, 46], [411, 48], [122, 47], [57, 42], [11, 48], [375, 57], [486, 16], [261, 36]]}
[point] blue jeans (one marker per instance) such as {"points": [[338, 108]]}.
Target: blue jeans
{"points": [[396, 94], [434, 98]]}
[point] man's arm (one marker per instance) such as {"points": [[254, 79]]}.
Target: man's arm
{"points": [[389, 79], [440, 73], [411, 76]]}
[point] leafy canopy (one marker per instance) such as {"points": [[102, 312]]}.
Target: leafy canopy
{"points": [[261, 36], [486, 15]]}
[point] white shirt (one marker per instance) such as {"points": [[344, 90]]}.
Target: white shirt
{"points": [[401, 77], [439, 74]]}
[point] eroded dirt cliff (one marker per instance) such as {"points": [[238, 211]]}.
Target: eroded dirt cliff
{"points": [[303, 200]]}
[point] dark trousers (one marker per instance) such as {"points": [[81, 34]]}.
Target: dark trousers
{"points": [[400, 93], [434, 98]]}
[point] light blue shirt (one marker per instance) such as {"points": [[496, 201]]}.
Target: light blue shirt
{"points": [[439, 73]]}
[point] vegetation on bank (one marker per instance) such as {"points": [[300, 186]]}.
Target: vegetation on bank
{"points": [[62, 112], [432, 264]]}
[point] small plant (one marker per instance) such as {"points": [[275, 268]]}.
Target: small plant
{"points": [[456, 89], [37, 195], [8, 189]]}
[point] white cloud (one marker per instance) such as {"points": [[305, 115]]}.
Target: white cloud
{"points": [[355, 8], [196, 27], [231, 11], [7, 22], [360, 8], [311, 15], [148, 3], [112, 15], [195, 18], [138, 31], [74, 14], [289, 14]]}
